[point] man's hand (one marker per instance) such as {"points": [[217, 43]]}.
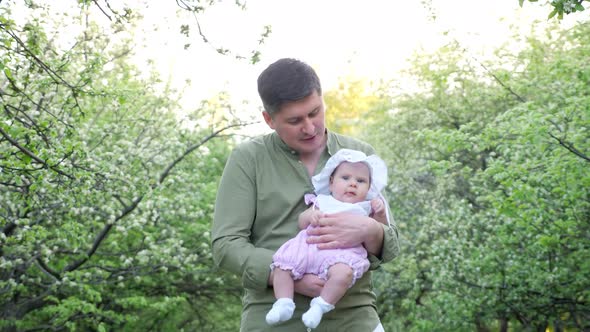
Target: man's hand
{"points": [[310, 285], [315, 217], [344, 230]]}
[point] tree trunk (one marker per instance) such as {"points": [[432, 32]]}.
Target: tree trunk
{"points": [[503, 322], [479, 325]]}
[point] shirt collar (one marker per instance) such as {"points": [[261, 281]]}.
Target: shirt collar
{"points": [[332, 143], [278, 142]]}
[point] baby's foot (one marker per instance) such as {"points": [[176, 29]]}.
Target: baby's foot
{"points": [[281, 311], [313, 316]]}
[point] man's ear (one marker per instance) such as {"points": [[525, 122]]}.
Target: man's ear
{"points": [[268, 119]]}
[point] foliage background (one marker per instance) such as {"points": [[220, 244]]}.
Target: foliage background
{"points": [[106, 191]]}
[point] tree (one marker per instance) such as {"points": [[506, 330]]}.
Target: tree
{"points": [[561, 7], [489, 183], [351, 106], [105, 194]]}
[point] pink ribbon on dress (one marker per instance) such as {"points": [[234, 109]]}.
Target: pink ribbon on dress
{"points": [[309, 199]]}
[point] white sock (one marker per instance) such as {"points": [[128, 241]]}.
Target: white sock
{"points": [[281, 311], [318, 308]]}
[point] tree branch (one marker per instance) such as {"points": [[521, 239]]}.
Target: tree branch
{"points": [[47, 270], [166, 172], [102, 235], [521, 99], [128, 209], [509, 89], [570, 147], [39, 62], [102, 10], [32, 155]]}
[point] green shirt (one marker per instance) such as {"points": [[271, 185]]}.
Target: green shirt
{"points": [[259, 199]]}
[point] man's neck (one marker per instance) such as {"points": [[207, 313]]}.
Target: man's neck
{"points": [[310, 160]]}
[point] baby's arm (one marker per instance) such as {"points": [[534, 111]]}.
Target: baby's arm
{"points": [[378, 210], [310, 216]]}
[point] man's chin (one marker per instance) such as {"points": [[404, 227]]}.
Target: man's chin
{"points": [[308, 146], [316, 138]]}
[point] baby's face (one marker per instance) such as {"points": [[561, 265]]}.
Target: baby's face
{"points": [[350, 182]]}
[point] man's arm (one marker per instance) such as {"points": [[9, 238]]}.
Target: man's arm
{"points": [[309, 285], [343, 230], [235, 208]]}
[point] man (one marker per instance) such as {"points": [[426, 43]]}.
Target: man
{"points": [[260, 197]]}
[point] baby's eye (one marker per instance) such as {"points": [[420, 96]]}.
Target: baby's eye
{"points": [[345, 177], [361, 181]]}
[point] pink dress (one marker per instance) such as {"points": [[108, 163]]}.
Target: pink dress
{"points": [[302, 258]]}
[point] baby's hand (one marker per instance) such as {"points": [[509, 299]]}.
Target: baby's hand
{"points": [[377, 206], [378, 210], [316, 215]]}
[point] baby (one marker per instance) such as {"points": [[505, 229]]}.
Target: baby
{"points": [[350, 182]]}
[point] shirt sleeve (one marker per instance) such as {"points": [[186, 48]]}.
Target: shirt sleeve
{"points": [[235, 211], [390, 248]]}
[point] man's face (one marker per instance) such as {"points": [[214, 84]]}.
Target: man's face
{"points": [[300, 124], [350, 182]]}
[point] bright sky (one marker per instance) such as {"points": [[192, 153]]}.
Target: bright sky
{"points": [[368, 39], [363, 39]]}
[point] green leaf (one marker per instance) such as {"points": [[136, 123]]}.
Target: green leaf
{"points": [[8, 73], [27, 159]]}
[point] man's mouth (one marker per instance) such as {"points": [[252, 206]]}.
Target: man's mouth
{"points": [[309, 137]]}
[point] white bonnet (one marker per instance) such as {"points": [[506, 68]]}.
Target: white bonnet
{"points": [[377, 167]]}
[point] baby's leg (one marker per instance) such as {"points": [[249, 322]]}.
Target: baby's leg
{"points": [[283, 308], [282, 283], [339, 279]]}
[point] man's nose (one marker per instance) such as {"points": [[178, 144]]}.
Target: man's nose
{"points": [[308, 127]]}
